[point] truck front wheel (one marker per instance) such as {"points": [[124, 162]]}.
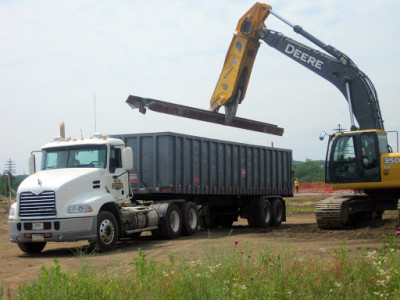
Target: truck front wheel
{"points": [[107, 231], [32, 248], [173, 222]]}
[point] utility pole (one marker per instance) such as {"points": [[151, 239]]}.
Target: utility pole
{"points": [[10, 167], [9, 170], [8, 175]]}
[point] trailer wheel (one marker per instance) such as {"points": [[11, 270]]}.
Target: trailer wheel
{"points": [[264, 214], [32, 248], [190, 218], [277, 212], [173, 222], [107, 231]]}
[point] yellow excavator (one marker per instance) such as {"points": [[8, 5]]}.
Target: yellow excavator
{"points": [[360, 159]]}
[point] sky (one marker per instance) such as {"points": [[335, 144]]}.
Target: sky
{"points": [[78, 61]]}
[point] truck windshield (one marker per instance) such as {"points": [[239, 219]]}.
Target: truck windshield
{"points": [[74, 157]]}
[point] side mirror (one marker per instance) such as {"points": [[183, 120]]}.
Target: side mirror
{"points": [[32, 164], [127, 158], [322, 135]]}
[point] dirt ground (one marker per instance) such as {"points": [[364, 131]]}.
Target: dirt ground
{"points": [[299, 233]]}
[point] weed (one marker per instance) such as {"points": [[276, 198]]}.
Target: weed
{"points": [[235, 274]]}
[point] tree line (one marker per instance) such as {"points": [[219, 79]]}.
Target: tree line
{"points": [[14, 182], [309, 170]]}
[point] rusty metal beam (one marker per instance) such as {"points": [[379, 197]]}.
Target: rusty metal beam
{"points": [[199, 114]]}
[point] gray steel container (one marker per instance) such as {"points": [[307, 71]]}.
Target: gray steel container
{"points": [[175, 163]]}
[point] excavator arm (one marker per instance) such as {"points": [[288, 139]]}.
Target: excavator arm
{"points": [[231, 87], [335, 67], [233, 81]]}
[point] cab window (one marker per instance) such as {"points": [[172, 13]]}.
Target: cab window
{"points": [[344, 156], [115, 159], [368, 151]]}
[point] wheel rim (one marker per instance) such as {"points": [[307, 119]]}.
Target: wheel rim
{"points": [[192, 218], [174, 221], [106, 231]]}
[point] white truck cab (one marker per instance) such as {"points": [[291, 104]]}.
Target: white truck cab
{"points": [[79, 179]]}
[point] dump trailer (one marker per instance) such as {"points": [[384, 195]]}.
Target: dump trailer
{"points": [[106, 188], [224, 179]]}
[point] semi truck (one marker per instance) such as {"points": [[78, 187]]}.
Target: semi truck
{"points": [[106, 188]]}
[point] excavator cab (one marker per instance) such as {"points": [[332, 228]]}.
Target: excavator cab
{"points": [[354, 156]]}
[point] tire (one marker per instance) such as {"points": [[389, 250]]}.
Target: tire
{"points": [[32, 248], [107, 231], [264, 213], [173, 223], [190, 218], [277, 212]]}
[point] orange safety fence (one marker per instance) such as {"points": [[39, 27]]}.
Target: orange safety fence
{"points": [[314, 187]]}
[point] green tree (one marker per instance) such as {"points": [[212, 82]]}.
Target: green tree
{"points": [[15, 182], [309, 171]]}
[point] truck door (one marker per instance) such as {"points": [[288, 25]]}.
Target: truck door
{"points": [[118, 175]]}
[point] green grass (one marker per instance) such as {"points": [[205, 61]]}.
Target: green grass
{"points": [[235, 274], [294, 210], [296, 206]]}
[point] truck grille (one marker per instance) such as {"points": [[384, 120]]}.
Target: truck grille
{"points": [[42, 205]]}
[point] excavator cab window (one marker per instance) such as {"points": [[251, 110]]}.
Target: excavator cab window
{"points": [[354, 158], [368, 152], [344, 163]]}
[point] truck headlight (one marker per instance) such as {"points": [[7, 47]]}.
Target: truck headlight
{"points": [[81, 208], [13, 210]]}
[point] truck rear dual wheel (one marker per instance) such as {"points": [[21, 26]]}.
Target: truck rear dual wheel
{"points": [[172, 227], [32, 247]]}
